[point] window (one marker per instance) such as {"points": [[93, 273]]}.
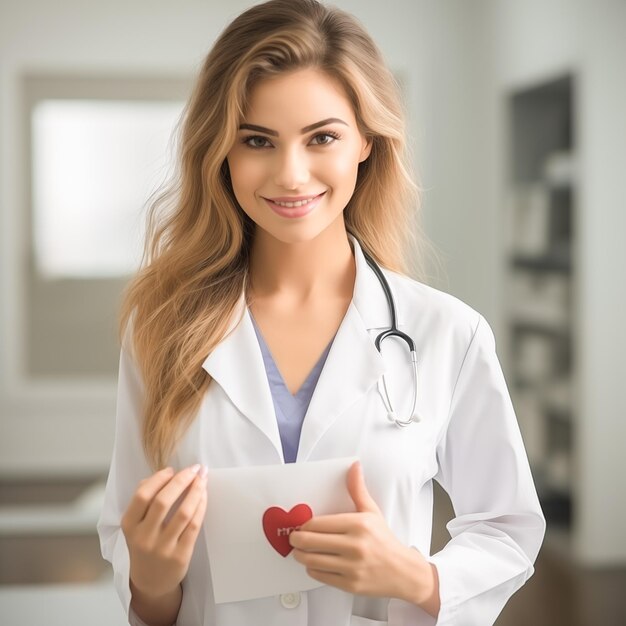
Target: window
{"points": [[94, 163], [96, 149]]}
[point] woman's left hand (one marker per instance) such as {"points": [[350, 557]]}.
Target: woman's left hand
{"points": [[358, 552]]}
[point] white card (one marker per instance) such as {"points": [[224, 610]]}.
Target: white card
{"points": [[245, 543]]}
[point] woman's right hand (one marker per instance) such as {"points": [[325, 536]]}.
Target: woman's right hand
{"points": [[161, 545]]}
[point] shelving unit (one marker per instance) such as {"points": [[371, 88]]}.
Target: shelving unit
{"points": [[540, 281]]}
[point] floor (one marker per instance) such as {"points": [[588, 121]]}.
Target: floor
{"points": [[78, 588]]}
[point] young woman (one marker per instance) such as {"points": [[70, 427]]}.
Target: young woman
{"points": [[249, 338]]}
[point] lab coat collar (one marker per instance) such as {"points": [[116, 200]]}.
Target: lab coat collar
{"points": [[352, 366]]}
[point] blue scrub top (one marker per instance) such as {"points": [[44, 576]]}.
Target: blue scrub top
{"points": [[290, 409]]}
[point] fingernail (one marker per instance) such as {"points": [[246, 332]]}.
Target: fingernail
{"points": [[194, 469], [204, 471]]}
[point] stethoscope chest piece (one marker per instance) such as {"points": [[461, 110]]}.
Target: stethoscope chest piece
{"points": [[384, 392]]}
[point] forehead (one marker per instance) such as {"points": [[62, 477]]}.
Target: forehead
{"points": [[300, 97]]}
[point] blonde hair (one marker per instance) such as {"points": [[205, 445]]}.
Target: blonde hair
{"points": [[180, 304]]}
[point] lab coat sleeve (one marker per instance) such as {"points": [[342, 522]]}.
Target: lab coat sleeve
{"points": [[128, 466], [499, 525]]}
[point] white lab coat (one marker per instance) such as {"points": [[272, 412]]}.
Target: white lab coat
{"points": [[469, 441]]}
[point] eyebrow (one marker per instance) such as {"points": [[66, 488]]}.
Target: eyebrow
{"points": [[306, 129]]}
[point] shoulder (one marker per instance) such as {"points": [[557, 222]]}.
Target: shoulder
{"points": [[421, 305]]}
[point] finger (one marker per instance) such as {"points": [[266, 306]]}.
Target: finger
{"points": [[358, 490], [188, 537], [145, 493], [321, 562], [186, 510], [329, 578], [336, 523], [165, 499], [327, 543]]}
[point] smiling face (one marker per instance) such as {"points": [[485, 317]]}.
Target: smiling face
{"points": [[294, 163]]}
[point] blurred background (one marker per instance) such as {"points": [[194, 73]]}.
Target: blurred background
{"points": [[517, 123]]}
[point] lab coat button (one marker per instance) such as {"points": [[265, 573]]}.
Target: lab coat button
{"points": [[290, 600]]}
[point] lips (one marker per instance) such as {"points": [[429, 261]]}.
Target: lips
{"points": [[294, 198], [295, 211]]}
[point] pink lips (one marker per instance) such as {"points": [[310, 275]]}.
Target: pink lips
{"points": [[296, 211], [292, 198]]}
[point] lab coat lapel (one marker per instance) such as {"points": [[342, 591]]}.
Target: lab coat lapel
{"points": [[236, 365], [353, 364]]}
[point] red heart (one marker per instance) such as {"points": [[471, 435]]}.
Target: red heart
{"points": [[278, 524]]}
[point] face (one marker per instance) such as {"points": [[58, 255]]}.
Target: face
{"points": [[294, 163]]}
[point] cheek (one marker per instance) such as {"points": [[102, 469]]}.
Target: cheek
{"points": [[243, 175], [343, 171]]}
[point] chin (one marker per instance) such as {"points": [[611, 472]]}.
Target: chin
{"points": [[296, 235], [300, 230]]}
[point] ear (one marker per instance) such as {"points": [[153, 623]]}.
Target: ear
{"points": [[366, 149]]}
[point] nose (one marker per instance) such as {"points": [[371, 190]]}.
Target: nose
{"points": [[292, 169]]}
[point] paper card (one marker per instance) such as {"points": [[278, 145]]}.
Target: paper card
{"points": [[250, 513]]}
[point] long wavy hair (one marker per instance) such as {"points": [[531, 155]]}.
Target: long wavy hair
{"points": [[181, 302]]}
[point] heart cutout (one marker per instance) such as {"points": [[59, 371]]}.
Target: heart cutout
{"points": [[278, 524]]}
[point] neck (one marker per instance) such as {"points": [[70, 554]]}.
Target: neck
{"points": [[303, 271]]}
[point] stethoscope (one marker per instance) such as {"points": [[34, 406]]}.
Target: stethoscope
{"points": [[394, 332]]}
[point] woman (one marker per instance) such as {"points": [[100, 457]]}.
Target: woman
{"points": [[257, 304]]}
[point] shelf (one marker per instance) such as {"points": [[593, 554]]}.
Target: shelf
{"points": [[540, 229], [560, 169], [553, 262], [535, 312], [557, 399], [557, 506], [539, 327], [558, 540]]}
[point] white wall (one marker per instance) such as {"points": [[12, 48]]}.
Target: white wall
{"points": [[603, 287], [459, 149]]}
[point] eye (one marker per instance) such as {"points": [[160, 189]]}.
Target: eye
{"points": [[251, 138], [256, 142], [334, 136]]}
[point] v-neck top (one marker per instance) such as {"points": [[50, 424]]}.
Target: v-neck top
{"points": [[290, 409]]}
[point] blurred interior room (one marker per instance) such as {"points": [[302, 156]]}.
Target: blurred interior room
{"points": [[517, 121]]}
